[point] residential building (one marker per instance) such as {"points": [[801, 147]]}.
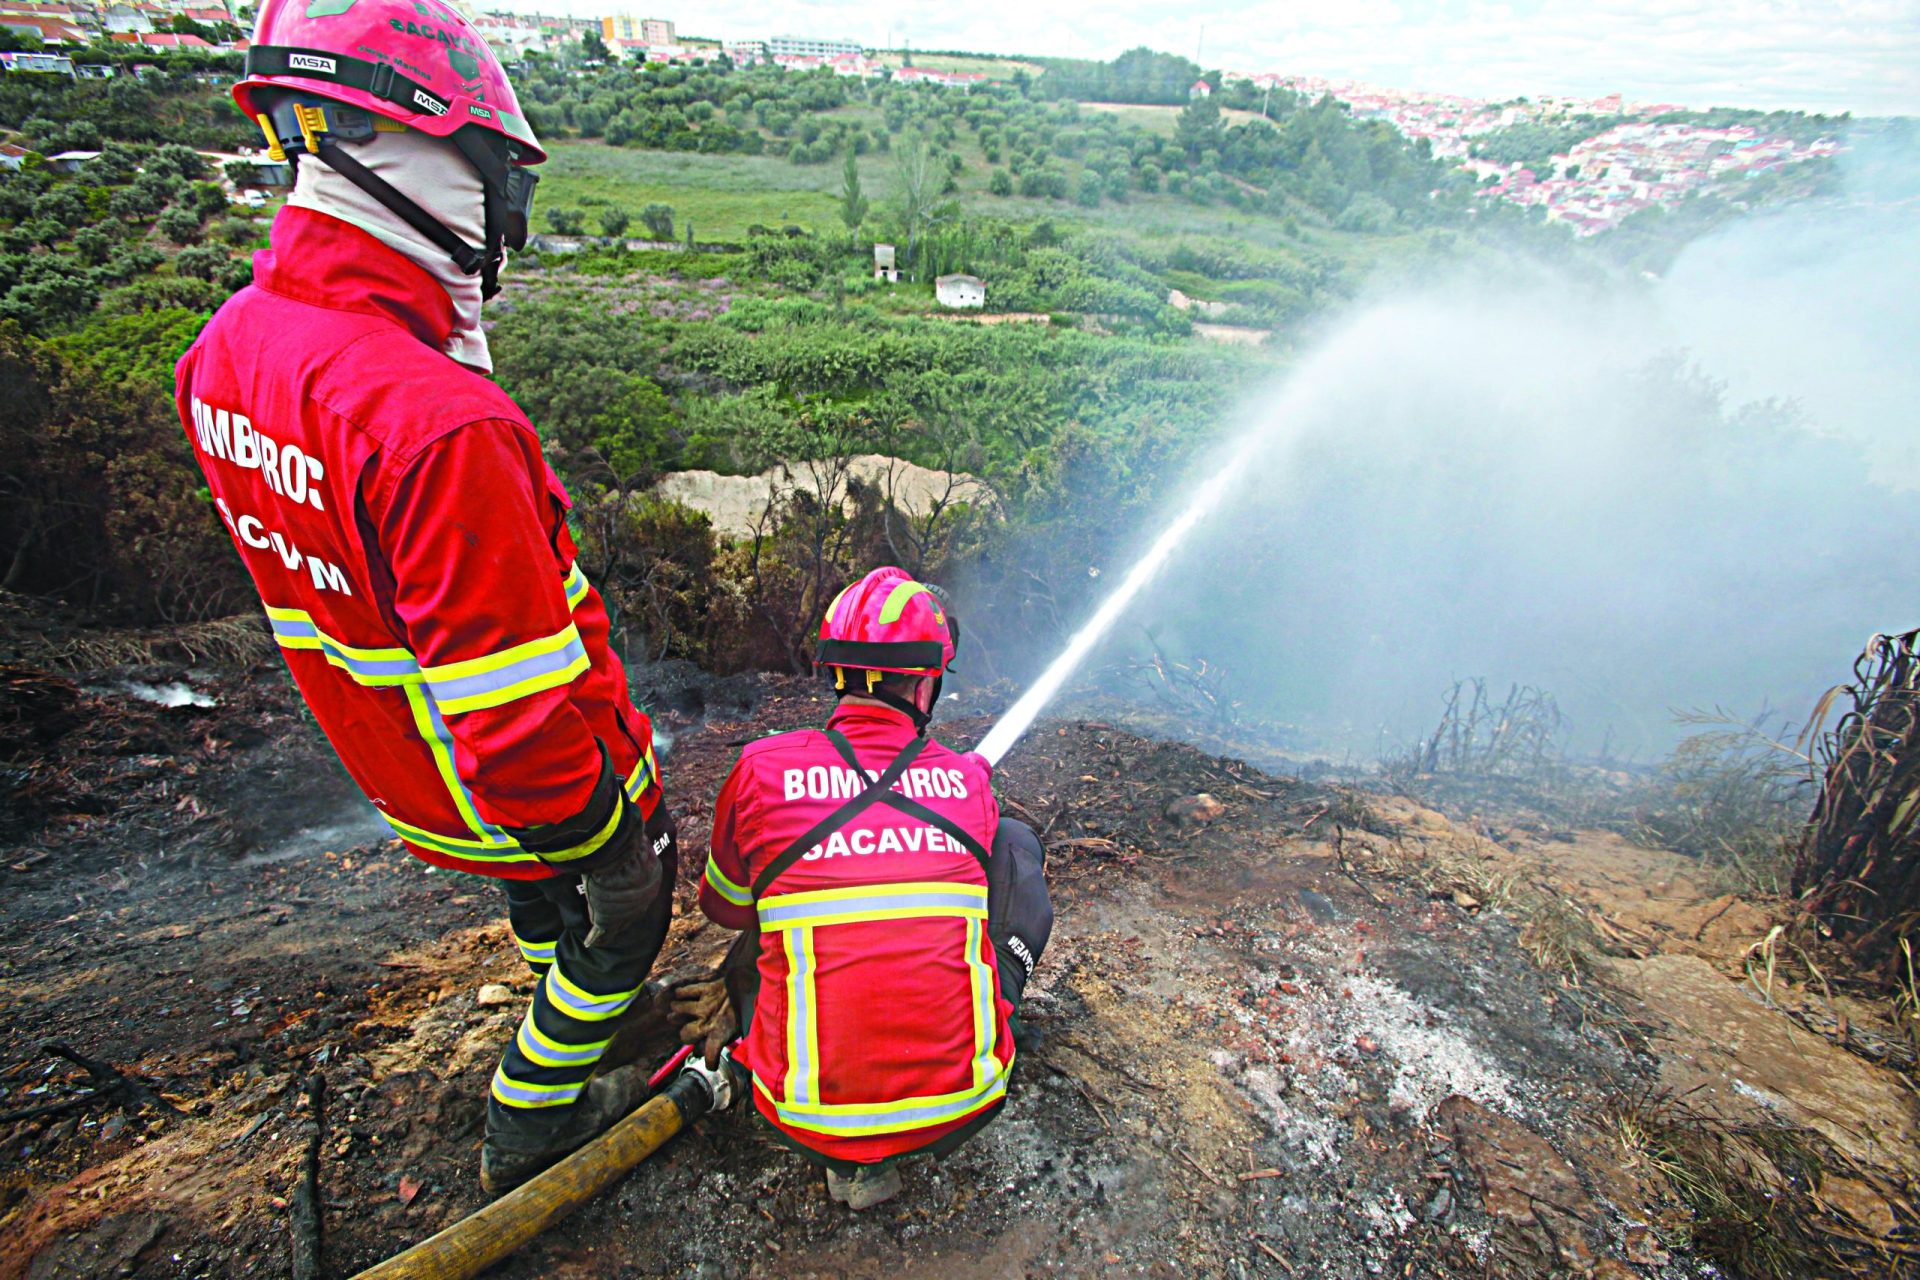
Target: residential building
{"points": [[883, 268], [71, 161], [960, 290], [810, 47], [11, 156], [1200, 90], [651, 33], [44, 63], [948, 79], [52, 31]]}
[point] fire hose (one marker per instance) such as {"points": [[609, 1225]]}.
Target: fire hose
{"points": [[476, 1242]]}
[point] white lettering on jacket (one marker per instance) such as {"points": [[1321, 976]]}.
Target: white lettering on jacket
{"points": [[886, 840], [233, 438], [249, 532], [835, 782]]}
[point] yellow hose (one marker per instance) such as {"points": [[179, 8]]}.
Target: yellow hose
{"points": [[475, 1243]]}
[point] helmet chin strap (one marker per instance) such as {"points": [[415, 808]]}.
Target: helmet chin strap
{"points": [[921, 719], [485, 263]]}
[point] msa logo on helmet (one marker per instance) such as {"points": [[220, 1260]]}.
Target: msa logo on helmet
{"points": [[482, 112], [430, 103], [308, 62]]}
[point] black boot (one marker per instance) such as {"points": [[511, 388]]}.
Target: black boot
{"points": [[521, 1142]]}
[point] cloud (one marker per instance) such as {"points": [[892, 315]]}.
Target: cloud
{"points": [[1828, 55]]}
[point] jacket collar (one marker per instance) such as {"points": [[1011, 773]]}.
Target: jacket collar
{"points": [[320, 260], [851, 712]]}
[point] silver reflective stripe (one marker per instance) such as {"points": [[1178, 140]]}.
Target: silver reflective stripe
{"points": [[908, 1117], [776, 913]]}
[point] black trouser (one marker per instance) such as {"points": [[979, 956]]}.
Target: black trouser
{"points": [[1019, 911], [1019, 922], [582, 992]]}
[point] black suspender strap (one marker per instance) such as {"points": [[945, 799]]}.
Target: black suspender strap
{"points": [[876, 791], [913, 808]]}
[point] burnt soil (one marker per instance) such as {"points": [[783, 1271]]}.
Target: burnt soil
{"points": [[1298, 1039]]}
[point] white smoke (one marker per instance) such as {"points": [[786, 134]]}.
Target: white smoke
{"points": [[1660, 494]]}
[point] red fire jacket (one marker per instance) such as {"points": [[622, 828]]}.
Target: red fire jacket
{"points": [[411, 548], [879, 1024]]}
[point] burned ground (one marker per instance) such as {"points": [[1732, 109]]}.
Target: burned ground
{"points": [[1294, 1032]]}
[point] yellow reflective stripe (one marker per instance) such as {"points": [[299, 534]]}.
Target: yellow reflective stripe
{"points": [[986, 1018], [836, 602], [518, 1093], [542, 1050], [433, 732], [579, 1003], [455, 847], [871, 890], [534, 952], [375, 668], [736, 894], [897, 601], [803, 1032], [642, 776], [853, 1120], [474, 684], [575, 587], [596, 841], [857, 904]]}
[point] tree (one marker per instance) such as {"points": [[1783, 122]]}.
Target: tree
{"points": [[613, 222], [593, 48], [916, 188], [1000, 184], [1199, 128], [658, 220], [180, 225], [853, 205], [566, 222]]}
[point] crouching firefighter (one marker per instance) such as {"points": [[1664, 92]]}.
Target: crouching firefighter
{"points": [[891, 917], [410, 543]]}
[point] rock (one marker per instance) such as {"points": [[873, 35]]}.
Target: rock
{"points": [[1440, 1206], [1465, 901], [1643, 1248], [1539, 1209], [1195, 810], [1734, 1059], [494, 993]]}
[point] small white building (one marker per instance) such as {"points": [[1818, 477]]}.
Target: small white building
{"points": [[960, 291], [1200, 89], [883, 268]]}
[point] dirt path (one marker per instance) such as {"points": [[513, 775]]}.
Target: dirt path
{"points": [[1260, 1056]]}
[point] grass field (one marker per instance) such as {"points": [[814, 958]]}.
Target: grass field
{"points": [[1160, 120], [992, 68], [722, 195]]}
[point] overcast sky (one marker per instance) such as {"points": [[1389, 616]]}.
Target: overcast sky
{"points": [[1829, 55]]}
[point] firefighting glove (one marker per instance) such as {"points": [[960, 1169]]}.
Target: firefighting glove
{"points": [[705, 1014], [618, 896], [613, 847]]}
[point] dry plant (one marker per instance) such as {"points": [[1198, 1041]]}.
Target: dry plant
{"points": [[1858, 870], [1750, 1190], [1906, 1002], [1733, 795], [236, 641], [1517, 737], [1196, 690]]}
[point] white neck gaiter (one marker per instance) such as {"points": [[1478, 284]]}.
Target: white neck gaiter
{"points": [[434, 175]]}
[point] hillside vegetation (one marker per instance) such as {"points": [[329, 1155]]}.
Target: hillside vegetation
{"points": [[1085, 194]]}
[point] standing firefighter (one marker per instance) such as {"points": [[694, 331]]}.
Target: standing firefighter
{"points": [[894, 915], [411, 545]]}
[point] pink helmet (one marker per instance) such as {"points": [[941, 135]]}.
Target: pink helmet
{"points": [[415, 61], [887, 622]]}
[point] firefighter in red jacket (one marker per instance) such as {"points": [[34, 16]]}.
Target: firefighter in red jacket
{"points": [[410, 543], [891, 917]]}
